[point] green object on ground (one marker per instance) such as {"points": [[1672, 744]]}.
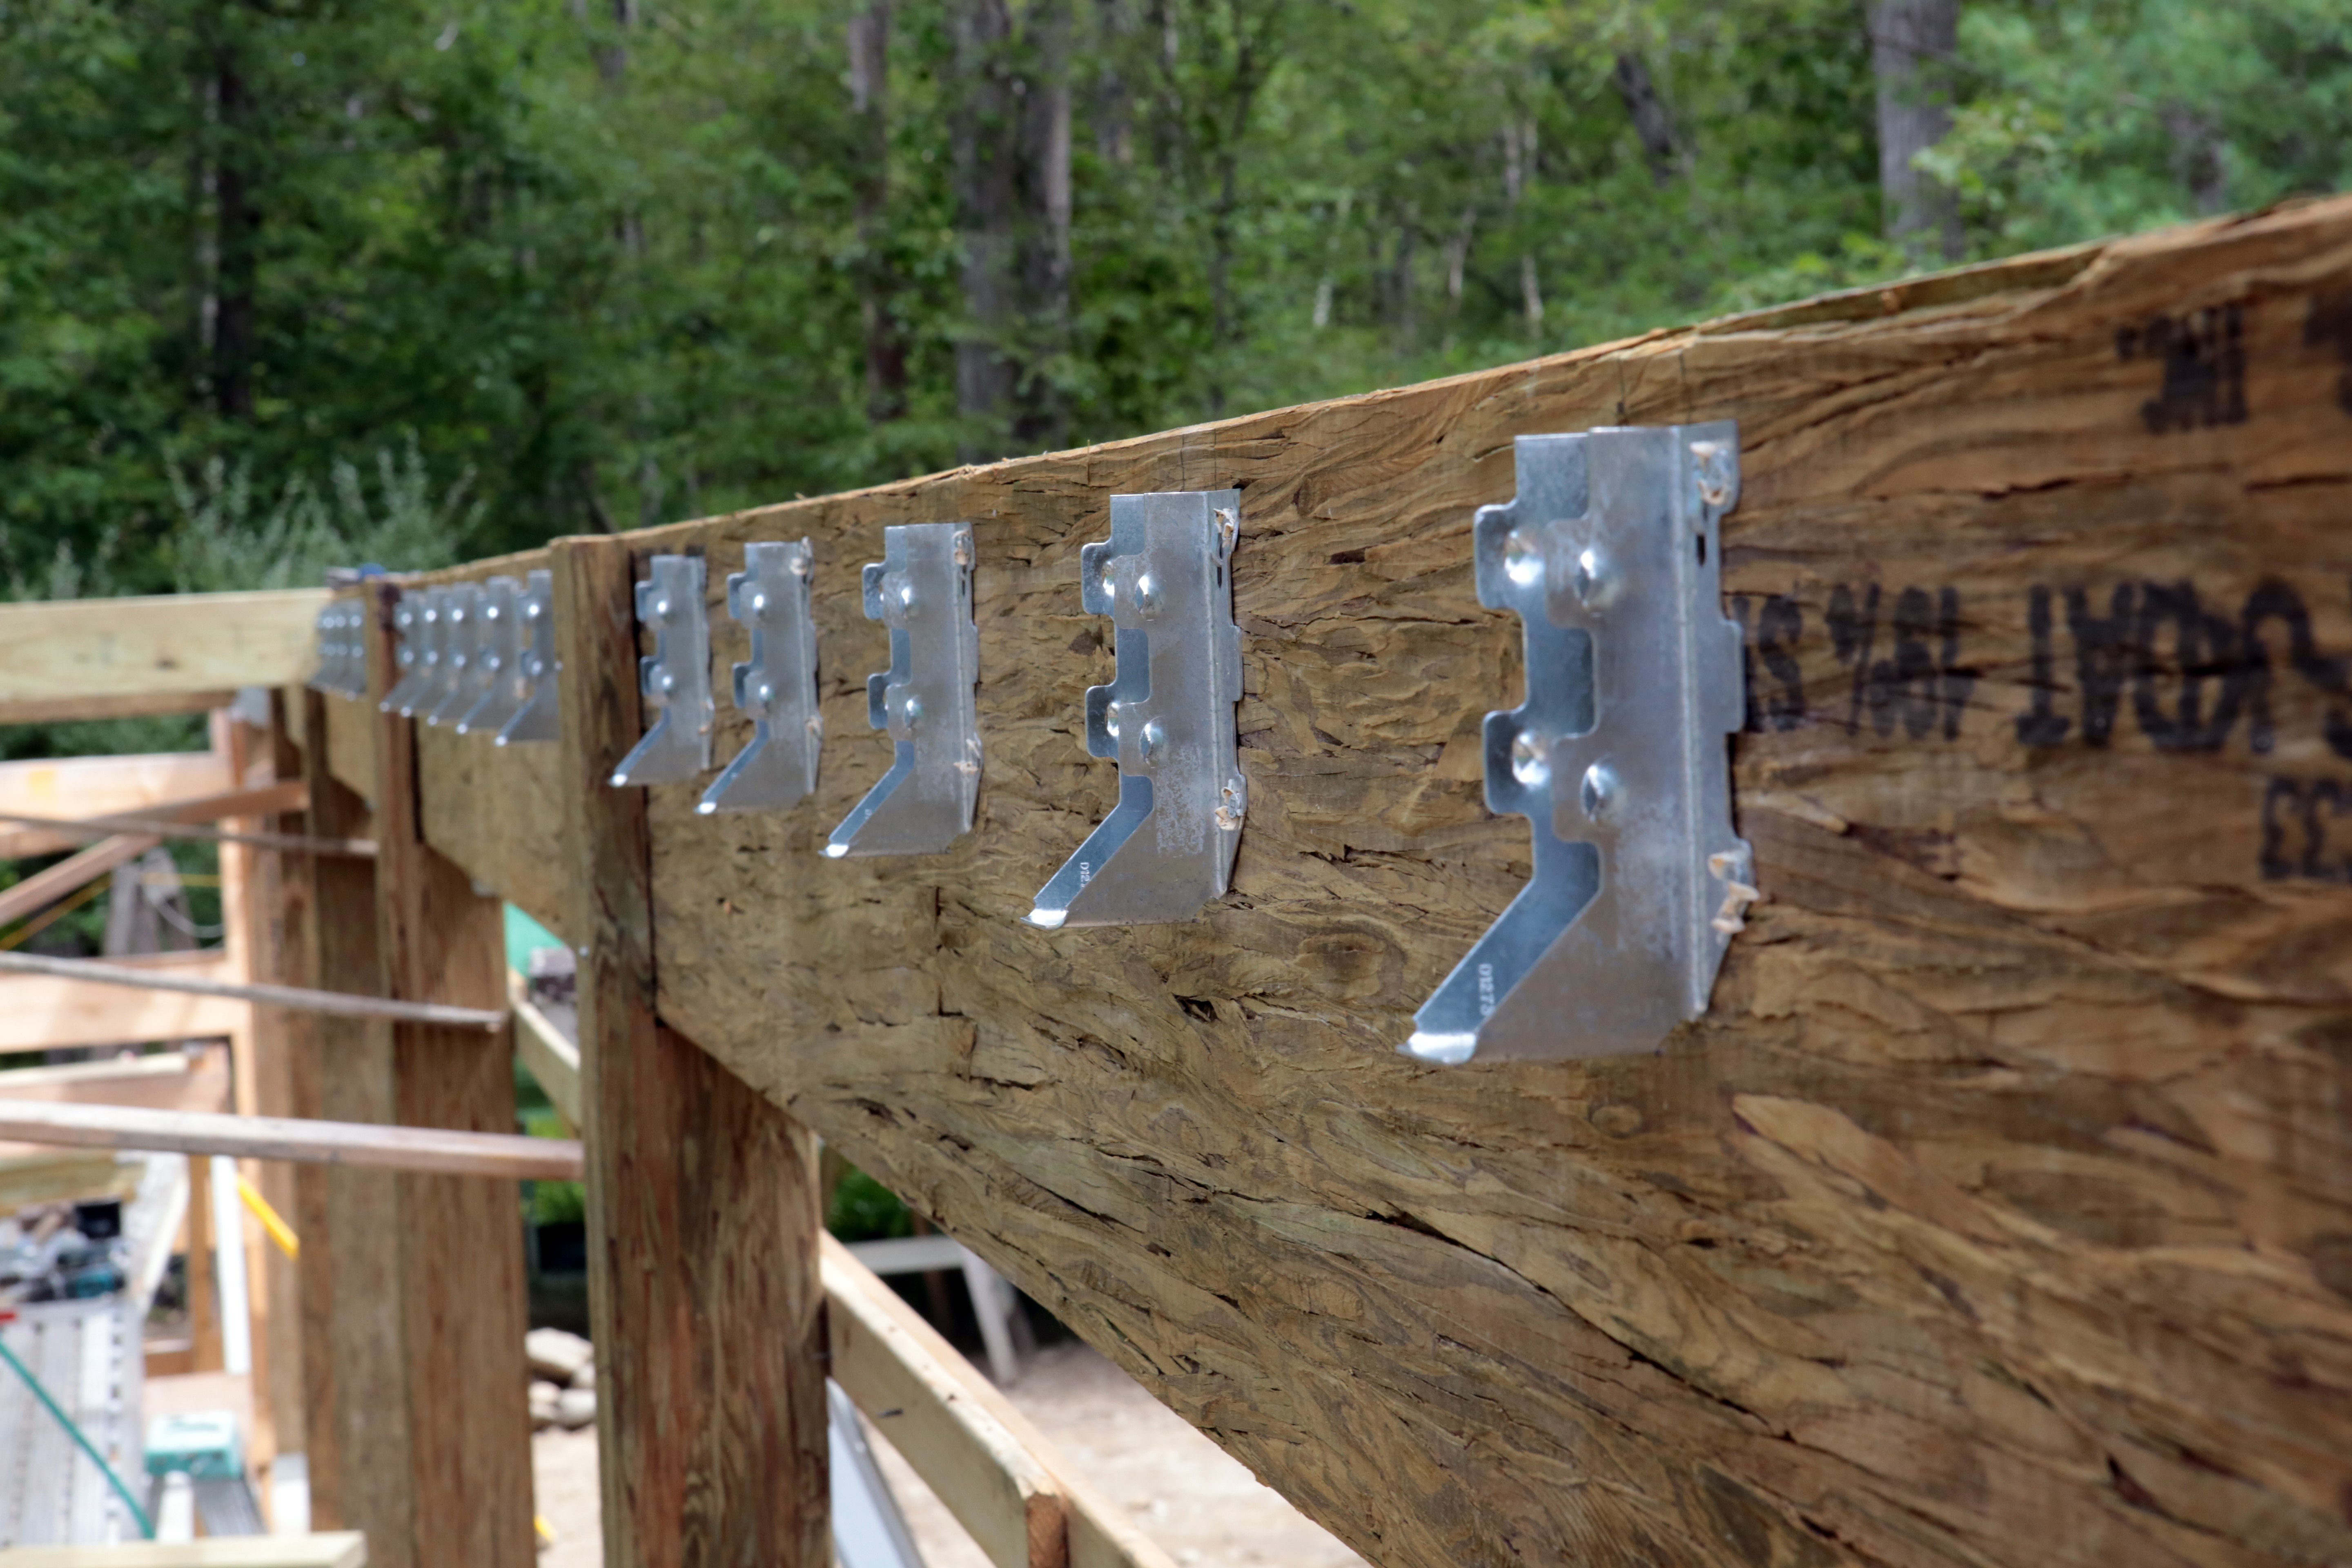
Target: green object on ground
{"points": [[202, 1443], [526, 936]]}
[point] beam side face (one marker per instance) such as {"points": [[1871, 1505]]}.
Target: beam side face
{"points": [[1980, 1211]]}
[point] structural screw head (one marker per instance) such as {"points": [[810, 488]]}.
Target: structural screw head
{"points": [[1153, 738], [1147, 595], [1110, 721]]}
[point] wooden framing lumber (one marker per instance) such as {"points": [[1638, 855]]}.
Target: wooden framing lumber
{"points": [[76, 651], [704, 1288], [1969, 1224], [41, 1012], [88, 972], [91, 786], [163, 827], [461, 1277], [870, 1317], [125, 705], [355, 1366], [71, 875], [423, 1149], [552, 1060], [997, 1490]]}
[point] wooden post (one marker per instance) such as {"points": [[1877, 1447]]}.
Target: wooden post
{"points": [[704, 1288], [355, 1374], [250, 919], [280, 932], [461, 1288], [203, 1277]]}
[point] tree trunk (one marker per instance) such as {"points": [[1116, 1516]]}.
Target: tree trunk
{"points": [[1647, 111], [1044, 173], [869, 89], [1911, 45], [1011, 123], [239, 223]]}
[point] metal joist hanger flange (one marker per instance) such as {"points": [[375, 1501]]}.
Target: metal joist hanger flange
{"points": [[921, 589], [539, 718], [675, 679], [1611, 556], [1164, 578], [415, 620], [342, 650], [495, 677], [777, 686], [456, 687]]}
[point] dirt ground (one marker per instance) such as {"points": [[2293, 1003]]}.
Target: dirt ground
{"points": [[1185, 1493]]}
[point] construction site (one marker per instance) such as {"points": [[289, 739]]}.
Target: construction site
{"points": [[1729, 950]]}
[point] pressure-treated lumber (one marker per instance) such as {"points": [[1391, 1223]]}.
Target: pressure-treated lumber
{"points": [[1002, 1497], [1098, 1534], [80, 651], [427, 1149], [1996, 1213], [867, 1318], [88, 972], [703, 1289], [356, 1368], [41, 1012], [92, 786], [124, 705], [460, 1278], [551, 1059], [277, 922], [71, 875]]}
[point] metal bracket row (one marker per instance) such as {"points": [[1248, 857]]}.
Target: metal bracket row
{"points": [[478, 656], [1163, 578]]}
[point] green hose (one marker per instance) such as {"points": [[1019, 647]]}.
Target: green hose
{"points": [[146, 1525]]}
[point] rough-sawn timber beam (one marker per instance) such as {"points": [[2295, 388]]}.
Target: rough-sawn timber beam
{"points": [[2000, 1212]]}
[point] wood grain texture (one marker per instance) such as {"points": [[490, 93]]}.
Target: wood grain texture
{"points": [[282, 901], [488, 809], [461, 1267], [356, 1416], [704, 1290], [97, 787], [2000, 1212], [178, 642], [46, 1012], [244, 1136], [349, 723], [131, 705]]}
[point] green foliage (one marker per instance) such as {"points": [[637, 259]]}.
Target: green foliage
{"points": [[222, 542], [863, 1209], [574, 275]]}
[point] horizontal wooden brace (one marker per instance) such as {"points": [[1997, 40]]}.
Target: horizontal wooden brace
{"points": [[369, 1143], [68, 652], [49, 1012], [342, 1002]]}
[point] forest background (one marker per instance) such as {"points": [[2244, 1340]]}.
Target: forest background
{"points": [[287, 282]]}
